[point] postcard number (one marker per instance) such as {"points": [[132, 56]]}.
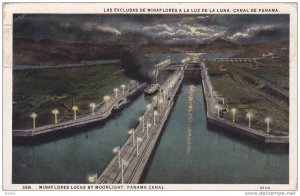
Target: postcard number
{"points": [[26, 187]]}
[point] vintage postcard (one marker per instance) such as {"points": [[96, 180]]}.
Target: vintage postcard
{"points": [[150, 96]]}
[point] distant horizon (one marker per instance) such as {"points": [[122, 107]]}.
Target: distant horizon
{"points": [[152, 43]]}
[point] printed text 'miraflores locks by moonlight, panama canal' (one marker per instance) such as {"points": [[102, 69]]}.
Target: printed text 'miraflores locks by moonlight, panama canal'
{"points": [[101, 187]]}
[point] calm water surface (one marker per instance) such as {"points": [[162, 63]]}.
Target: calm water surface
{"points": [[189, 152], [71, 159]]}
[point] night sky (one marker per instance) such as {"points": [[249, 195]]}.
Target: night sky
{"points": [[163, 28]]}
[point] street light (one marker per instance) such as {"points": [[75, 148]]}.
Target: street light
{"points": [[267, 120], [155, 98], [55, 112], [116, 90], [154, 114], [148, 126], [74, 108], [123, 88], [148, 106], [93, 178], [106, 98], [218, 108], [117, 150], [124, 163], [131, 132], [233, 110], [92, 106], [160, 104], [138, 140], [142, 119], [249, 117], [33, 116]]}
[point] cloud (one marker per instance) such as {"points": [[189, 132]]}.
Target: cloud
{"points": [[158, 28], [90, 26], [258, 32], [167, 28]]}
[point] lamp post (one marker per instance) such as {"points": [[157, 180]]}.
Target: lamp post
{"points": [[249, 117], [92, 106], [267, 120], [124, 164], [160, 104], [218, 108], [131, 132], [55, 112], [123, 88], [142, 119], [106, 99], [93, 178], [33, 116], [148, 107], [117, 150], [148, 126], [233, 110], [155, 99], [75, 108], [154, 114], [138, 141], [116, 92]]}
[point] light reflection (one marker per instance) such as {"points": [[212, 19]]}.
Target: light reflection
{"points": [[190, 118]]}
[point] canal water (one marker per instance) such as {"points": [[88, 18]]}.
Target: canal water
{"points": [[72, 158], [189, 152]]}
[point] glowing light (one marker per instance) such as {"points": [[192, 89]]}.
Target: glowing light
{"points": [[218, 108], [116, 90], [160, 104], [161, 101], [123, 88], [155, 113], [233, 110], [267, 120], [92, 106], [138, 141], [124, 164], [75, 108], [148, 126], [148, 106], [33, 116], [91, 179], [106, 98], [55, 112], [141, 119], [249, 117]]}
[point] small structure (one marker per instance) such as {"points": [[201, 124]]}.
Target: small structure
{"points": [[270, 55], [221, 99], [221, 68]]}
